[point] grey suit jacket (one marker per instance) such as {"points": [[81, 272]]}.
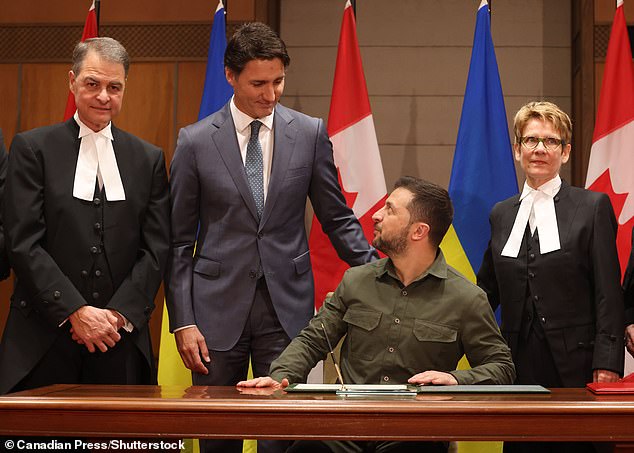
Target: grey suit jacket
{"points": [[219, 249]]}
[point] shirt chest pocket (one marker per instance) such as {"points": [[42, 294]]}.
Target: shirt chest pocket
{"points": [[362, 337], [431, 347], [432, 332]]}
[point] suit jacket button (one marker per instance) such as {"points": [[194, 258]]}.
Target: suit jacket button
{"points": [[94, 250], [98, 273], [252, 274], [84, 274], [260, 235], [23, 303], [96, 201], [45, 302], [97, 226], [95, 295], [146, 310], [57, 295]]}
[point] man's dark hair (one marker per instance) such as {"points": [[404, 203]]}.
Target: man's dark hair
{"points": [[107, 48], [431, 204], [254, 41]]}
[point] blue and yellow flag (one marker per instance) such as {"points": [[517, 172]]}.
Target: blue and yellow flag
{"points": [[483, 172], [217, 90]]}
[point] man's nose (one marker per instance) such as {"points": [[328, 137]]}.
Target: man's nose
{"points": [[103, 95], [269, 93]]}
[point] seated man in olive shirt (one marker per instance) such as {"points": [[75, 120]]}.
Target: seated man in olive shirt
{"points": [[407, 318]]}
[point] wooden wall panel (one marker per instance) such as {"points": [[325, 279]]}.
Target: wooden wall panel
{"points": [[44, 94], [148, 103], [191, 77], [604, 11], [9, 88]]}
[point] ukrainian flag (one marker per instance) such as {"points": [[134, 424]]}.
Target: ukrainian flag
{"points": [[483, 171]]}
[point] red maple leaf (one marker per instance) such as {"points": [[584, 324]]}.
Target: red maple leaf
{"points": [[624, 234]]}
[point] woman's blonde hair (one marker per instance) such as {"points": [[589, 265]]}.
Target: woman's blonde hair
{"points": [[546, 112]]}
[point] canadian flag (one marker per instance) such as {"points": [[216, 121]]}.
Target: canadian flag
{"points": [[356, 155], [611, 166], [90, 31]]}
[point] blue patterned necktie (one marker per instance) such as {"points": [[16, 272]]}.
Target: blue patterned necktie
{"points": [[254, 167]]}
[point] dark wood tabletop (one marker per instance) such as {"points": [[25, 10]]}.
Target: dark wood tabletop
{"points": [[226, 412]]}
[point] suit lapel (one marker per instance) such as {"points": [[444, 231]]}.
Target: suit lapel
{"points": [[119, 145], [224, 137], [283, 147], [565, 211], [509, 219], [73, 129]]}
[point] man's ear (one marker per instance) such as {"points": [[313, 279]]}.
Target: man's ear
{"points": [[71, 80], [230, 76], [420, 232]]}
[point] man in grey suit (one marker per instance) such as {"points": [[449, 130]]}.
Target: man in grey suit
{"points": [[239, 281]]}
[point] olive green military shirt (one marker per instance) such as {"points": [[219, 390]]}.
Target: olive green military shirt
{"points": [[393, 332]]}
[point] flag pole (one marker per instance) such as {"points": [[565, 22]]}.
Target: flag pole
{"points": [[225, 5], [354, 8], [97, 11]]}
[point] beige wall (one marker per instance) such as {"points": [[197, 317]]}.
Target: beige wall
{"points": [[416, 58]]}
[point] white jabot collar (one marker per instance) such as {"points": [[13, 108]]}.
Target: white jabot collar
{"points": [[537, 208], [96, 158]]}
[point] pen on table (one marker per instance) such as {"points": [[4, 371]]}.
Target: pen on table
{"points": [[332, 356]]}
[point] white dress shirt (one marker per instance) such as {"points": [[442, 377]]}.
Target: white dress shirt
{"points": [[242, 123]]}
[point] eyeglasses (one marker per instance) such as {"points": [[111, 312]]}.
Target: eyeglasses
{"points": [[550, 143]]}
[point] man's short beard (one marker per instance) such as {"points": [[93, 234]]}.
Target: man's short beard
{"points": [[394, 246]]}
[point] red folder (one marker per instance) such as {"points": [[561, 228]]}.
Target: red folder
{"points": [[621, 387]]}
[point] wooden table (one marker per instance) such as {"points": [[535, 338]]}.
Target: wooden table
{"points": [[224, 412]]}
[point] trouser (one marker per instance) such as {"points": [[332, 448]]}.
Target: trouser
{"points": [[67, 362], [262, 341], [535, 365]]}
